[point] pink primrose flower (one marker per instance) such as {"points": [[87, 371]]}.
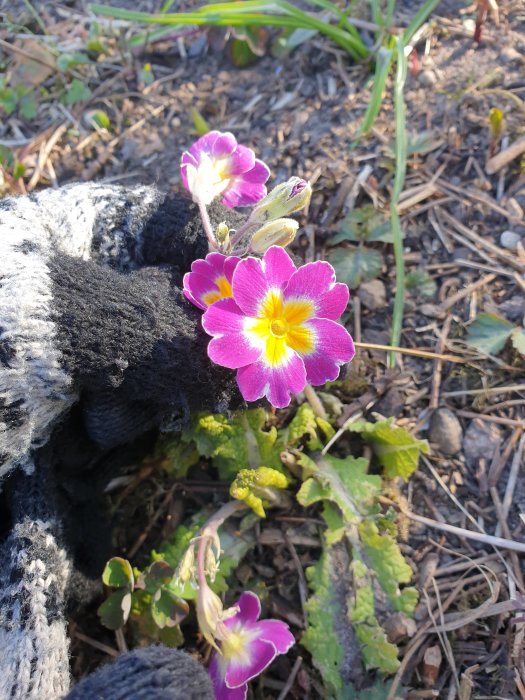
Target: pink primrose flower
{"points": [[248, 647], [209, 280], [279, 327], [217, 165]]}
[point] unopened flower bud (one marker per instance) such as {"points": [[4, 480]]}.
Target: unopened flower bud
{"points": [[283, 200], [211, 564], [186, 570], [279, 232], [222, 232]]}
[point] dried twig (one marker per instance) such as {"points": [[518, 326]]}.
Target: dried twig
{"points": [[503, 158]]}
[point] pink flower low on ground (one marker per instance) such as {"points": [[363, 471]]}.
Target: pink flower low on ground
{"points": [[248, 647], [279, 328], [217, 165], [209, 280]]}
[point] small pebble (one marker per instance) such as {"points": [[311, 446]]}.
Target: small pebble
{"points": [[513, 309], [372, 294], [427, 78], [445, 431], [510, 240], [481, 441], [508, 54]]}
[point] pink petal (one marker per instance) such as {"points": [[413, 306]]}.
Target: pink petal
{"points": [[260, 655], [230, 347], [197, 286], [278, 266], [249, 285], [249, 607], [212, 266], [333, 347], [188, 293], [316, 281], [187, 159], [241, 161], [247, 188], [222, 692], [204, 144], [253, 278], [258, 174], [229, 267], [277, 633], [224, 145], [242, 194], [258, 380]]}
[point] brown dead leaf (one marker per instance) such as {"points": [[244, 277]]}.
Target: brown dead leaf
{"points": [[33, 64]]}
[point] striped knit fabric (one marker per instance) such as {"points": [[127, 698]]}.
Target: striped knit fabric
{"points": [[90, 310]]}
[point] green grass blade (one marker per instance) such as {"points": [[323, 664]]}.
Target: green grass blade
{"points": [[383, 63], [400, 150], [418, 19], [249, 12]]}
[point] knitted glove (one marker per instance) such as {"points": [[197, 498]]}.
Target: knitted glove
{"points": [[91, 314]]}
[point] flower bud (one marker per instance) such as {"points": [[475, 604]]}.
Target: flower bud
{"points": [[186, 570], [283, 200], [222, 232], [279, 232]]}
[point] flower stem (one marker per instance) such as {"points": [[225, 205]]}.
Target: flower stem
{"points": [[240, 232], [315, 402], [206, 223]]}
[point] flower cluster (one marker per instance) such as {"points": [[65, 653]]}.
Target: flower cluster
{"points": [[272, 322]]}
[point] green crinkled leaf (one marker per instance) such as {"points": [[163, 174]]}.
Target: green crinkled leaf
{"points": [[517, 338], [312, 492], [377, 651], [77, 92], [489, 333], [167, 609], [345, 483], [335, 526], [304, 423], [396, 449], [357, 265], [320, 637], [114, 611], [364, 604], [389, 566], [176, 454], [363, 224], [421, 282], [118, 574], [236, 444]]}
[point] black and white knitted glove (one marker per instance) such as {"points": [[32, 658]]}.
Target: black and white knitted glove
{"points": [[91, 313]]}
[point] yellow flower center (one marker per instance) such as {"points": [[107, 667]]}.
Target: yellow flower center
{"points": [[280, 327], [224, 291]]}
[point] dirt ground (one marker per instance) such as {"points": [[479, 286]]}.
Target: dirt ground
{"points": [[301, 113]]}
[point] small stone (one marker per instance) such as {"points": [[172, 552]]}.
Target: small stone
{"points": [[445, 431], [391, 404], [372, 295], [513, 309], [481, 441], [508, 55], [510, 240], [427, 78]]}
